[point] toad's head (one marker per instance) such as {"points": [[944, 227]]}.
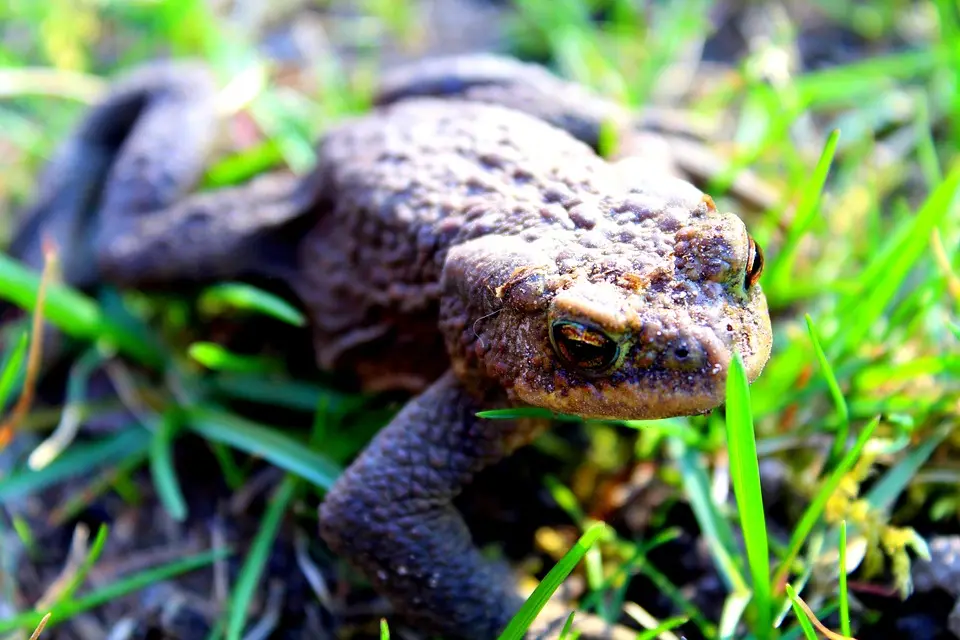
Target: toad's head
{"points": [[626, 307]]}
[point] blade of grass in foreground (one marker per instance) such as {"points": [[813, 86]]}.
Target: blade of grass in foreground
{"points": [[662, 630], [12, 369], [801, 617], [291, 394], [842, 587], [745, 473], [716, 530], [70, 418], [40, 627], [259, 554], [215, 357], [73, 312], [835, 392], [67, 610], [249, 298], [526, 412], [803, 611], [891, 484], [538, 599], [285, 452], [92, 555], [733, 608], [161, 466], [77, 461], [567, 626]]}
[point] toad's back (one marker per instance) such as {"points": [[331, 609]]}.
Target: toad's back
{"points": [[400, 187]]}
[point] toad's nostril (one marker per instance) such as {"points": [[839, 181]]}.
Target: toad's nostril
{"points": [[660, 347], [684, 355]]}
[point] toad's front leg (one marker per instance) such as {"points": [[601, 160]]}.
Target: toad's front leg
{"points": [[391, 513]]}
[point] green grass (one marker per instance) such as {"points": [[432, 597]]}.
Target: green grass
{"points": [[745, 473], [857, 405]]}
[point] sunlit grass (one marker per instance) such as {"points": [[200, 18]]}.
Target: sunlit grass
{"points": [[517, 628], [861, 279]]}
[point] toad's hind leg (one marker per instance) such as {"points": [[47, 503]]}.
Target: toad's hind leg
{"points": [[137, 150], [391, 513], [114, 197]]}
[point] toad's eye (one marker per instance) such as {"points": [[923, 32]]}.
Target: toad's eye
{"points": [[754, 264], [583, 346]]}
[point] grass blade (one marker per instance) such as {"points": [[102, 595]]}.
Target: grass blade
{"points": [[804, 217], [869, 306], [662, 628], [214, 356], [12, 368], [801, 616], [249, 298], [567, 626], [285, 452], [162, 468], [551, 582], [77, 461], [842, 587], [838, 400], [250, 573], [40, 627], [889, 487], [733, 608], [71, 311], [716, 530], [70, 418], [103, 595], [745, 473], [819, 503]]}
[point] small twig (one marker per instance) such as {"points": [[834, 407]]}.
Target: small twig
{"points": [[25, 401], [69, 425], [831, 635], [261, 482], [39, 629], [75, 560]]}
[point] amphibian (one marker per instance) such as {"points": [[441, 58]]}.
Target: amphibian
{"points": [[463, 241]]}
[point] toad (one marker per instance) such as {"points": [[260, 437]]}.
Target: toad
{"points": [[464, 240]]}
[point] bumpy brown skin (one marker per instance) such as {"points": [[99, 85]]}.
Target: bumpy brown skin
{"points": [[445, 242]]}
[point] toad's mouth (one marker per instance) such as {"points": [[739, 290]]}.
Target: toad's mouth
{"points": [[662, 371], [635, 393]]}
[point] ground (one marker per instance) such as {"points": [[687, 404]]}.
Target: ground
{"points": [[185, 506]]}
